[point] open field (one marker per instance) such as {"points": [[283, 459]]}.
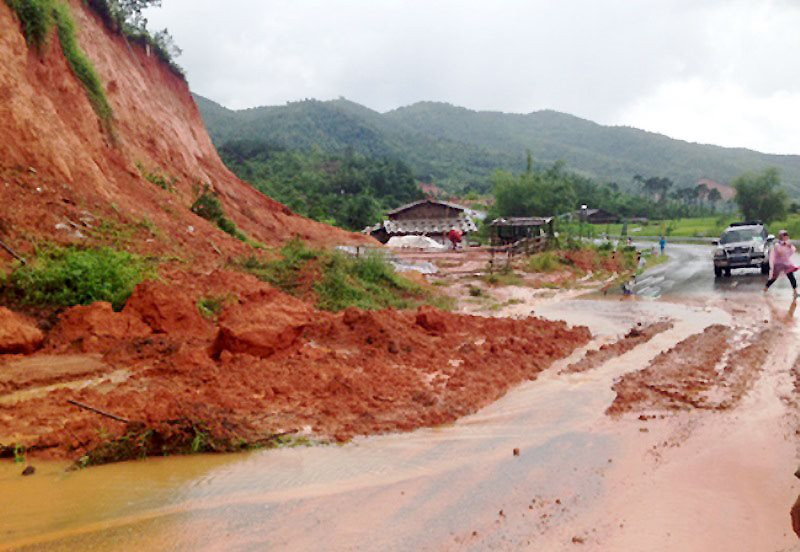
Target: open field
{"points": [[702, 227]]}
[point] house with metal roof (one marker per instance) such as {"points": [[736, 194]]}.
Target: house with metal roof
{"points": [[426, 217]]}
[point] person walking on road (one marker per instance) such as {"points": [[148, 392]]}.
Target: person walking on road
{"points": [[780, 261], [662, 243]]}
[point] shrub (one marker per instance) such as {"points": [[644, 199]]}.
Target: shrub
{"points": [[70, 276], [543, 262], [163, 181], [367, 282], [211, 306], [208, 206]]}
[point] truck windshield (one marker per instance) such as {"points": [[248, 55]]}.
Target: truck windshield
{"points": [[741, 235]]}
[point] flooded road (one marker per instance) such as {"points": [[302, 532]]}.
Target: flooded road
{"points": [[581, 480]]}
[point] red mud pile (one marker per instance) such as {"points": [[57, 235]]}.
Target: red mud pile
{"points": [[271, 363], [696, 373], [638, 335], [61, 174]]}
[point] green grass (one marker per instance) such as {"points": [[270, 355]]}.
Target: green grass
{"points": [[368, 282], [80, 64], [208, 206], [284, 272], [69, 276], [212, 305], [37, 18], [709, 227], [162, 180], [505, 277], [546, 261]]}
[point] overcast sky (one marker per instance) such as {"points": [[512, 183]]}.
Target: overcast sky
{"points": [[714, 71]]}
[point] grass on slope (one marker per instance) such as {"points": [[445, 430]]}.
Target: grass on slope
{"points": [[67, 276], [339, 280], [37, 18]]}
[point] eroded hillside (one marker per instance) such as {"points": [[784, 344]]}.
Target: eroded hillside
{"points": [[62, 173]]}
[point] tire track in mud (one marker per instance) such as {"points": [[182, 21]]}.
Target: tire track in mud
{"points": [[638, 335], [711, 370]]}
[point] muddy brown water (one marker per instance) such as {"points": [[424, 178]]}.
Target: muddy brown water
{"points": [[693, 481]]}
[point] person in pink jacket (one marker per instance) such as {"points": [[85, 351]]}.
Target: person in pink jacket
{"points": [[780, 261]]}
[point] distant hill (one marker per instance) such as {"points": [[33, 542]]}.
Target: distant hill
{"points": [[458, 147]]}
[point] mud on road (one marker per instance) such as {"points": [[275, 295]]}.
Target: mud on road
{"points": [[698, 454]]}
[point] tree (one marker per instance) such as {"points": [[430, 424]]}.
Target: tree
{"points": [[760, 195], [545, 193], [702, 192], [714, 197]]}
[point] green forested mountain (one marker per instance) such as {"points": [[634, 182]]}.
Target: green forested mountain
{"points": [[460, 148]]}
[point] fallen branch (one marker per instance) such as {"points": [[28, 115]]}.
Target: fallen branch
{"points": [[97, 411], [13, 253]]}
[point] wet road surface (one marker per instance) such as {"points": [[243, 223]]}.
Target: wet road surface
{"points": [[581, 480]]}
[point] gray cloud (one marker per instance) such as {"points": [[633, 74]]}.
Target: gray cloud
{"points": [[612, 61]]}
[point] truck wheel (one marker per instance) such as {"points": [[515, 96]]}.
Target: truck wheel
{"points": [[765, 269], [727, 272], [717, 272]]}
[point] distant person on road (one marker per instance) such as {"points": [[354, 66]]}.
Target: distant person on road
{"points": [[662, 243], [780, 261], [455, 237]]}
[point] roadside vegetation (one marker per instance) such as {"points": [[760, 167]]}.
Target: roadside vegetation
{"points": [[336, 280], [68, 276]]}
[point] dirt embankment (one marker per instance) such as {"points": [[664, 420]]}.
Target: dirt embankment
{"points": [[704, 371], [62, 176], [637, 335], [268, 364]]}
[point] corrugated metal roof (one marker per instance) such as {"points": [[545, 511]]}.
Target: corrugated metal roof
{"points": [[429, 226], [521, 221], [424, 226], [422, 201]]}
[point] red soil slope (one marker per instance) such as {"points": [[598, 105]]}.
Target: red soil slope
{"points": [[57, 165]]}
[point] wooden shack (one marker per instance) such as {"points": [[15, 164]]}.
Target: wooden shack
{"points": [[597, 216], [427, 217], [505, 231]]}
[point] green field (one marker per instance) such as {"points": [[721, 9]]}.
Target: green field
{"points": [[705, 227]]}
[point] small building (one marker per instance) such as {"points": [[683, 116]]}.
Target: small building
{"points": [[504, 231], [426, 217], [597, 216]]}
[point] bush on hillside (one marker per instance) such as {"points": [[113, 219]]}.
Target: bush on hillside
{"points": [[341, 281], [70, 276], [208, 206]]}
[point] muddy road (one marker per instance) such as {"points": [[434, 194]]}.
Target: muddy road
{"points": [[698, 453]]}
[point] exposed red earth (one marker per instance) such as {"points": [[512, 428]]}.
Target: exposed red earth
{"points": [[271, 363]]}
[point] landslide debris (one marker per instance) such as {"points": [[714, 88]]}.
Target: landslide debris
{"points": [[637, 335], [701, 372], [18, 334], [274, 364]]}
